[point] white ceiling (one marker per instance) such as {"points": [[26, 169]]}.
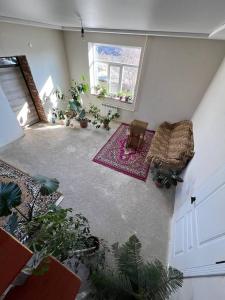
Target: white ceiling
{"points": [[180, 16]]}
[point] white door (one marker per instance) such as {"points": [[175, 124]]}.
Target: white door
{"points": [[198, 230]]}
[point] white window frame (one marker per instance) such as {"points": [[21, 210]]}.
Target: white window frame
{"points": [[114, 101]]}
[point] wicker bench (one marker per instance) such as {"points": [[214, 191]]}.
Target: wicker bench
{"points": [[172, 145]]}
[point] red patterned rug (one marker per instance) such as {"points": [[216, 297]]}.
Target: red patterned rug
{"points": [[114, 154]]}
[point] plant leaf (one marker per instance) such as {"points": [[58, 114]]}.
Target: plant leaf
{"points": [[12, 223], [10, 196], [48, 185]]}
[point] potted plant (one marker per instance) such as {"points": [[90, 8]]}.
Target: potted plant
{"points": [[75, 104], [10, 195], [54, 232], [101, 91], [165, 177], [102, 120], [61, 117], [83, 119], [124, 274]]}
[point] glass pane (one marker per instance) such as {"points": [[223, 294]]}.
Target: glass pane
{"points": [[129, 79], [114, 79], [118, 54], [5, 61], [101, 74]]}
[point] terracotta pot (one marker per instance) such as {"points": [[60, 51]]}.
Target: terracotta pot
{"points": [[84, 123]]}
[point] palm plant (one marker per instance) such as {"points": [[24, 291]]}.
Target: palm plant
{"points": [[131, 278]]}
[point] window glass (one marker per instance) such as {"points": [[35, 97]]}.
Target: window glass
{"points": [[114, 80], [118, 54], [128, 80], [101, 74], [115, 68], [8, 61]]}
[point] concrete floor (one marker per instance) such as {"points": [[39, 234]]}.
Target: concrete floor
{"points": [[115, 204]]}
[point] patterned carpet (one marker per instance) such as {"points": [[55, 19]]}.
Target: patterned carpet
{"points": [[114, 154], [29, 189]]}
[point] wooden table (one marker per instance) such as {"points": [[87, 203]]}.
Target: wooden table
{"points": [[136, 134]]}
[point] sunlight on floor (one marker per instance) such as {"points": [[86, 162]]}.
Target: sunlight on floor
{"points": [[47, 127], [23, 115]]}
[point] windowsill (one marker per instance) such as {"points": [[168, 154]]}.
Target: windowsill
{"points": [[116, 102]]}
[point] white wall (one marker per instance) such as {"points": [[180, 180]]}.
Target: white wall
{"points": [[10, 129], [46, 57], [209, 126], [176, 72]]}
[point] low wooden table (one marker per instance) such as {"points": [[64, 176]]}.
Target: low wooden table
{"points": [[136, 135]]}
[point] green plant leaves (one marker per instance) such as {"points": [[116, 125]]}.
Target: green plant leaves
{"points": [[12, 223], [58, 233], [133, 278], [10, 196], [165, 177], [48, 185]]}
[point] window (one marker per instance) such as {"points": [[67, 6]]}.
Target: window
{"points": [[114, 68], [8, 61]]}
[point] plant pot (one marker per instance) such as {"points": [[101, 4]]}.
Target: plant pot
{"points": [[67, 122], [106, 124], [84, 123], [158, 184], [61, 122]]}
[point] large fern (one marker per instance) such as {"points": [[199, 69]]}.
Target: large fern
{"points": [[132, 278]]}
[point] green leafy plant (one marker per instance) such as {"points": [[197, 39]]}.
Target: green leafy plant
{"points": [[61, 115], [78, 88], [59, 234], [10, 197], [102, 120], [59, 94], [47, 185], [165, 177], [101, 91], [133, 278]]}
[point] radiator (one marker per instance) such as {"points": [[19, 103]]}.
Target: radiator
{"points": [[105, 109]]}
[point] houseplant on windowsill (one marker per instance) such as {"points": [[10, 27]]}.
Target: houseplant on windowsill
{"points": [[101, 92]]}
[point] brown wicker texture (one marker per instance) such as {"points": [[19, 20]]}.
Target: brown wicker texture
{"points": [[172, 145]]}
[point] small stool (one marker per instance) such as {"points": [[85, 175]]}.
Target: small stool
{"points": [[136, 134]]}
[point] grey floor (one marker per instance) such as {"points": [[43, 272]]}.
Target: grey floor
{"points": [[115, 204]]}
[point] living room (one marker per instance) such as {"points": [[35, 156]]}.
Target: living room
{"points": [[176, 75]]}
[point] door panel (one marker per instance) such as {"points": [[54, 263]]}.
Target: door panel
{"points": [[179, 247], [210, 218], [198, 230]]}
